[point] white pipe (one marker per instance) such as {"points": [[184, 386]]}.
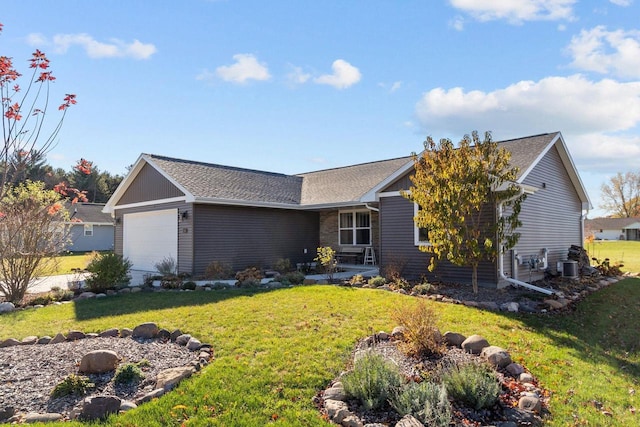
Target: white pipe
{"points": [[371, 208], [501, 256]]}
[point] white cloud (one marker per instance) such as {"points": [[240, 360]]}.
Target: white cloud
{"points": [[623, 3], [457, 23], [602, 51], [344, 75], [297, 76], [245, 68], [395, 86], [94, 49], [599, 119], [516, 11]]}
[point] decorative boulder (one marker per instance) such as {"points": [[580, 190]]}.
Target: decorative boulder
{"points": [[183, 339], [496, 356], [409, 421], [6, 307], [169, 378], [98, 361], [58, 339], [146, 330], [474, 344], [193, 344], [76, 335], [113, 332], [454, 339], [99, 407]]}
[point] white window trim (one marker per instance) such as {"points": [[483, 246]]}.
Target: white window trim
{"points": [[88, 228], [416, 229], [354, 228]]}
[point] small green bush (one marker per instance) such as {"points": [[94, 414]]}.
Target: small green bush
{"points": [[357, 279], [60, 294], [190, 285], [128, 373], [218, 270], [426, 401], [423, 288], [171, 282], [421, 335], [108, 271], [73, 384], [474, 384], [44, 299], [282, 265], [377, 281], [372, 381], [294, 277]]}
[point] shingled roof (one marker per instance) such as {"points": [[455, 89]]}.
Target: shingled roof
{"points": [[611, 223], [212, 183], [88, 213]]}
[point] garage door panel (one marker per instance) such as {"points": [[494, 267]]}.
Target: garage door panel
{"points": [[150, 237]]}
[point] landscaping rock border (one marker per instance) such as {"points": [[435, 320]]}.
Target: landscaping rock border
{"points": [[99, 406], [527, 409]]}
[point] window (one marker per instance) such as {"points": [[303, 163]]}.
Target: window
{"points": [[421, 235], [88, 230], [354, 228]]}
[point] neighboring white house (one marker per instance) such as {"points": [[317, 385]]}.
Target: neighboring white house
{"points": [[613, 228]]}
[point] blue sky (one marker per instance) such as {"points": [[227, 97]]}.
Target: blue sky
{"points": [[295, 86]]}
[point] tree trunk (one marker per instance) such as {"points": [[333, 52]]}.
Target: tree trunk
{"points": [[474, 278]]}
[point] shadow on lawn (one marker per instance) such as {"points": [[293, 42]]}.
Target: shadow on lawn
{"points": [[603, 328], [148, 301]]}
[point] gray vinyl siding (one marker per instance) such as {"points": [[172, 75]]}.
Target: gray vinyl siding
{"points": [[149, 185], [397, 245], [550, 217], [185, 231], [102, 239], [400, 184], [243, 236]]}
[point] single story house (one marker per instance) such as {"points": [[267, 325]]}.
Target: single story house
{"points": [[613, 228], [91, 228], [198, 212]]}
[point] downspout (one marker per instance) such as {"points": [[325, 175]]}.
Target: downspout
{"points": [[582, 218], [371, 208], [501, 256]]}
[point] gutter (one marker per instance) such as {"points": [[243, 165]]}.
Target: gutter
{"points": [[501, 256]]}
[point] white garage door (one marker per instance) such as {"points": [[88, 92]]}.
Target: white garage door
{"points": [[150, 237]]}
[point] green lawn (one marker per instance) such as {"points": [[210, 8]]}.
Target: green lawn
{"points": [[66, 263], [626, 252], [276, 349]]}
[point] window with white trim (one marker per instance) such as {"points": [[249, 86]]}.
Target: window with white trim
{"points": [[421, 235], [88, 230], [354, 228]]}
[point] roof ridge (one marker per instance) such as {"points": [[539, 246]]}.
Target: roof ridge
{"points": [[217, 165], [527, 137], [352, 166]]}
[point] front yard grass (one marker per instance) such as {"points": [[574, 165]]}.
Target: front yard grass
{"points": [[274, 350], [67, 263]]}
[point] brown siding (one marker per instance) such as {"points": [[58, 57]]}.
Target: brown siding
{"points": [[329, 229], [245, 237], [149, 185], [397, 246], [185, 232], [550, 217]]}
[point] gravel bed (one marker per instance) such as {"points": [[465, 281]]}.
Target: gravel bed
{"points": [[28, 373]]}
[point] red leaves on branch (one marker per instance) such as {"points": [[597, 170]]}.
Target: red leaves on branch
{"points": [[84, 166], [69, 100], [54, 209], [13, 112], [45, 76], [66, 191], [39, 60]]}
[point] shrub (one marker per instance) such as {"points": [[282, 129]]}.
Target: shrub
{"points": [[606, 268], [426, 401], [191, 286], [358, 279], [326, 256], [474, 384], [294, 277], [218, 270], [400, 283], [251, 274], [393, 268], [171, 282], [60, 294], [422, 288], [282, 265], [128, 373], [167, 267], [421, 335], [220, 285], [44, 299], [72, 384], [377, 281], [372, 380], [108, 271]]}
